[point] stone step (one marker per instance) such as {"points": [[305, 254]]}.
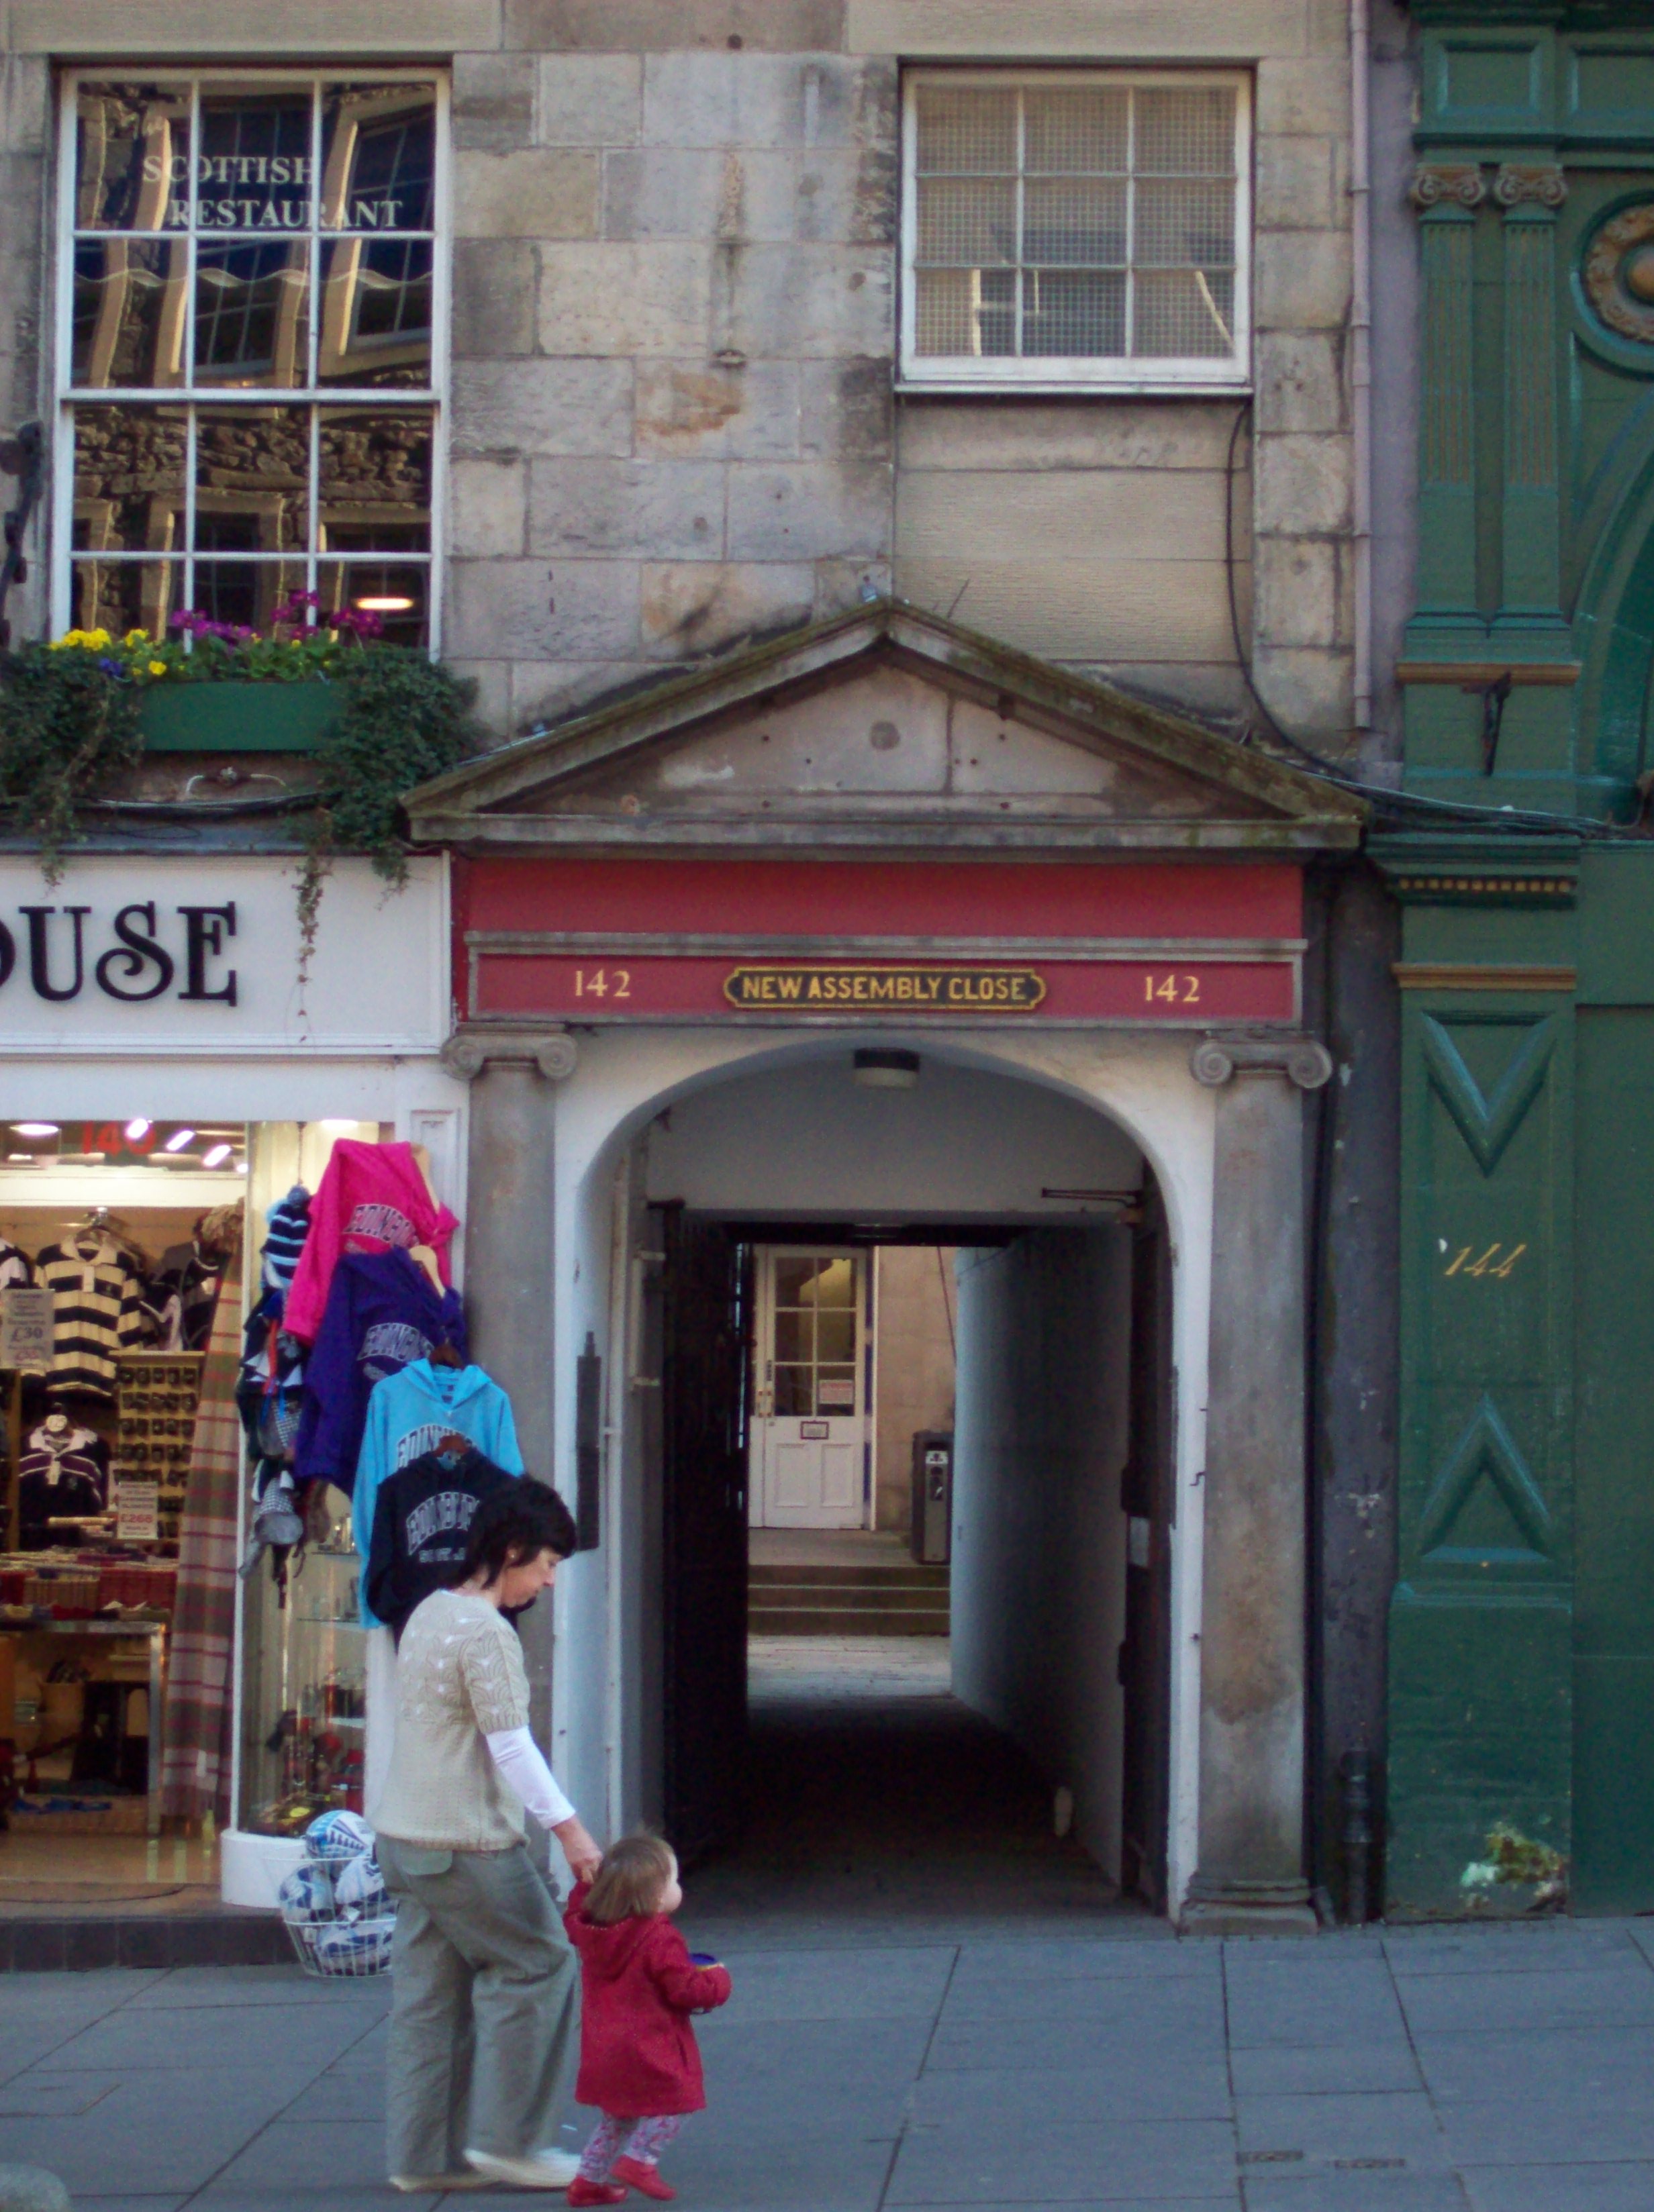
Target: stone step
{"points": [[844, 1620], [894, 1597], [857, 1577]]}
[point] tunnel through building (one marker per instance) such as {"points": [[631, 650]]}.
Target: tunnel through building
{"points": [[954, 1294]]}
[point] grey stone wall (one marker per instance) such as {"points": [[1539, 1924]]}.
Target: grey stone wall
{"points": [[674, 285]]}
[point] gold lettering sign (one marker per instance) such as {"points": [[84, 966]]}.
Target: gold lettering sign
{"points": [[928, 990]]}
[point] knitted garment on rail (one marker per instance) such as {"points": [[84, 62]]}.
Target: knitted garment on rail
{"points": [[195, 1770], [288, 1221], [16, 1268], [97, 1313]]}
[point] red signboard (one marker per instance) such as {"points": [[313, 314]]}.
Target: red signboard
{"points": [[623, 987]]}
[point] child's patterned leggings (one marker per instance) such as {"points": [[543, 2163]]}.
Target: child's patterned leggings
{"points": [[616, 2135]]}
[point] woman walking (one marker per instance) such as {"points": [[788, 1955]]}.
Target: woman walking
{"points": [[484, 2014]]}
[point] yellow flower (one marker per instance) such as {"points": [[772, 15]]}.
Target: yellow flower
{"points": [[157, 668], [136, 637], [93, 640]]}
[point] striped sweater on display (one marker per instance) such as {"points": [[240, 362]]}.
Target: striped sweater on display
{"points": [[97, 1313]]}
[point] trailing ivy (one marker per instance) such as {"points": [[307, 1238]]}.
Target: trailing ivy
{"points": [[68, 727], [403, 720]]}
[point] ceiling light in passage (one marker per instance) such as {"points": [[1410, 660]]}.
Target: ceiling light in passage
{"points": [[179, 1140], [886, 1071], [137, 1131], [216, 1157], [35, 1128]]}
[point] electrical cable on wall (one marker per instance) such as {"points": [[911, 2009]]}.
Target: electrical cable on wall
{"points": [[1315, 764]]}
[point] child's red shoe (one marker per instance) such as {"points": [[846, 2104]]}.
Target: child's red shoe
{"points": [[582, 2191], [646, 2179]]}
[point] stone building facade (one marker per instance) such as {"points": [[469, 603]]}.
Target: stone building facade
{"points": [[689, 459]]}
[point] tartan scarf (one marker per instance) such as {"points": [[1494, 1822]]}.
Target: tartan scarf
{"points": [[195, 1770]]}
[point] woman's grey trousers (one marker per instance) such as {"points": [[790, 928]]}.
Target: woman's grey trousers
{"points": [[485, 2008]]}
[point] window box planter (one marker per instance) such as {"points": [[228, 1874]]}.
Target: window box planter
{"points": [[237, 717]]}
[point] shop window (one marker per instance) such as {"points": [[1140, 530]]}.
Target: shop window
{"points": [[1075, 228], [252, 352]]}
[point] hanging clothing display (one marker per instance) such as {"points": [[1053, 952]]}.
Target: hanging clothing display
{"points": [[382, 1313], [289, 1224], [422, 1517], [63, 1474], [97, 1293], [371, 1197], [410, 1415], [16, 1268], [181, 1295], [196, 1759]]}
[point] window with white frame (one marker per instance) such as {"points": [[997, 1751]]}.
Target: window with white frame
{"points": [[250, 346], [1076, 227]]}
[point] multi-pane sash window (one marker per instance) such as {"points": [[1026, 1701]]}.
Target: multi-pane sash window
{"points": [[1072, 228], [250, 363]]}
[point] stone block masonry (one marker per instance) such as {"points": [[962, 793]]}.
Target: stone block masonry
{"points": [[673, 421]]}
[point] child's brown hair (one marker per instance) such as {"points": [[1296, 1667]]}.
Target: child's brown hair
{"points": [[635, 1874]]}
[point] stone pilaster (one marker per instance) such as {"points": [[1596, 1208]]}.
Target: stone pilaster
{"points": [[510, 1252], [1250, 1877]]}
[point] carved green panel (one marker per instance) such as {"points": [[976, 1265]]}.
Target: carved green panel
{"points": [[1480, 1665]]}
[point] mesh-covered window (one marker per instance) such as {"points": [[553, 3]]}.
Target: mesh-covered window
{"points": [[1074, 220], [250, 358]]}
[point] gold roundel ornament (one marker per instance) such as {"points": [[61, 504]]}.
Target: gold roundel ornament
{"points": [[1620, 273]]}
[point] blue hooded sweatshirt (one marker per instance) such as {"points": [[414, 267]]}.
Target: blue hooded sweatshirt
{"points": [[408, 1415]]}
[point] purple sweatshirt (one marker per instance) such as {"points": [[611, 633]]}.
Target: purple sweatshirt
{"points": [[382, 1314]]}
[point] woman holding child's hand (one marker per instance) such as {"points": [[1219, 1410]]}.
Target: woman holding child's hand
{"points": [[485, 1998]]}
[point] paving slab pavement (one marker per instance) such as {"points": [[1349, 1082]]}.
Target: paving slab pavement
{"points": [[1475, 2068]]}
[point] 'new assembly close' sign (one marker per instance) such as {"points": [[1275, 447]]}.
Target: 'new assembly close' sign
{"points": [[932, 989]]}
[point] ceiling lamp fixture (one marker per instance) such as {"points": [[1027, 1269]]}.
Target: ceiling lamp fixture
{"points": [[886, 1071], [179, 1140], [137, 1131], [217, 1156], [35, 1128], [385, 603]]}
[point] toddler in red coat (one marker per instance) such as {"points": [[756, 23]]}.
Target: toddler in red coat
{"points": [[638, 2060]]}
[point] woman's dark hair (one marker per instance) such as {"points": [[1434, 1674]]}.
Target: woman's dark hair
{"points": [[520, 1521]]}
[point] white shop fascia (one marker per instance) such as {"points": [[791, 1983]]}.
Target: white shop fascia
{"points": [[170, 986]]}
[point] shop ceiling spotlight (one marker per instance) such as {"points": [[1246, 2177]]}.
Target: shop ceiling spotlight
{"points": [[886, 1071], [179, 1140], [216, 1157], [137, 1131], [35, 1128]]}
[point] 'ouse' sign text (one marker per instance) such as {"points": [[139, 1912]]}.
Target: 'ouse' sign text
{"points": [[145, 950]]}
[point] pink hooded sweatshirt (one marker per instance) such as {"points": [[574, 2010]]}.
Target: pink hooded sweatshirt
{"points": [[371, 1197]]}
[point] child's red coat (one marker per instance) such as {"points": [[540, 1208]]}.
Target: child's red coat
{"points": [[637, 2050]]}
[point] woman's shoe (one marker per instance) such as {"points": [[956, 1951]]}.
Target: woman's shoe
{"points": [[646, 2179], [541, 2169], [582, 2191]]}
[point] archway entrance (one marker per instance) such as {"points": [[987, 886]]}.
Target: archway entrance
{"points": [[966, 1281], [884, 834]]}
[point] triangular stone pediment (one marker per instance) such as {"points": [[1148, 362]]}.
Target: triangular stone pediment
{"points": [[886, 727]]}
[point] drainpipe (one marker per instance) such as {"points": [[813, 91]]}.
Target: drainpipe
{"points": [[1361, 347]]}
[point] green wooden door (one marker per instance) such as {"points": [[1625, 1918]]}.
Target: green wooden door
{"points": [[1614, 1595]]}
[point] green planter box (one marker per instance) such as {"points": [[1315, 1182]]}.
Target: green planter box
{"points": [[237, 718]]}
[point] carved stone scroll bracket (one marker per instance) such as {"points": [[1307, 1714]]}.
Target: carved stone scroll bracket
{"points": [[1303, 1061], [1459, 183], [1542, 182], [469, 1051]]}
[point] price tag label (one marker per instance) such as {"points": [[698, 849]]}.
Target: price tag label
{"points": [[25, 1330], [137, 1507]]}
